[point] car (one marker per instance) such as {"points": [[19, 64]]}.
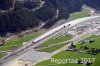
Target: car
{"points": [[69, 24], [33, 42]]}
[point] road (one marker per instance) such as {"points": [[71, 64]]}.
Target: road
{"points": [[36, 57], [42, 3], [54, 32], [10, 9]]}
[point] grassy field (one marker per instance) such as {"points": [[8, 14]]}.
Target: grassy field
{"points": [[2, 55], [53, 48], [92, 45], [55, 41], [78, 15], [75, 55], [10, 45], [65, 55]]}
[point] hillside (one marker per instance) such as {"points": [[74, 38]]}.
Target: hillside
{"points": [[22, 17]]}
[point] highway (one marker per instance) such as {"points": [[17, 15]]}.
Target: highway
{"points": [[39, 40], [39, 57]]}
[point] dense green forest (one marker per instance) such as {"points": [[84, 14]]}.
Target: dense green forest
{"points": [[21, 19]]}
